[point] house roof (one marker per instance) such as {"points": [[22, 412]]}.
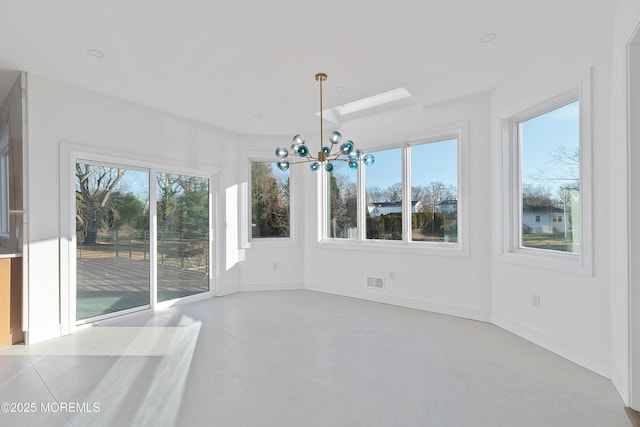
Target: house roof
{"points": [[249, 66], [540, 209], [390, 204]]}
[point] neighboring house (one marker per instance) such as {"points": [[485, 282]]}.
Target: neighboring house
{"points": [[545, 219], [385, 208], [447, 206]]}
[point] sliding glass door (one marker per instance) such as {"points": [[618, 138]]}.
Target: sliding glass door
{"points": [[183, 235], [112, 235], [142, 237]]}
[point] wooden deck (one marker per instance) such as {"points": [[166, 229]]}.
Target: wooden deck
{"points": [[109, 284]]}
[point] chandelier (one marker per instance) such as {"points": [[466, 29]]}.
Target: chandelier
{"points": [[334, 152]]}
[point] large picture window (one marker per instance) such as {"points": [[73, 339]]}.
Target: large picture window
{"points": [[270, 201], [408, 196]]}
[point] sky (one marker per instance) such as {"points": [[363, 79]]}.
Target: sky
{"points": [[437, 161], [432, 162], [542, 136]]}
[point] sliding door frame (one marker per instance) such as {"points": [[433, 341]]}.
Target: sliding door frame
{"points": [[70, 154]]}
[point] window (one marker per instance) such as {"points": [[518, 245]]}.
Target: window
{"points": [[409, 196], [550, 177], [4, 183], [342, 201], [434, 191], [383, 194], [270, 201], [546, 179]]}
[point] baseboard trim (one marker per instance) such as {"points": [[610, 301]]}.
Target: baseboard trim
{"points": [[256, 287], [570, 353], [450, 310], [621, 385], [44, 333]]}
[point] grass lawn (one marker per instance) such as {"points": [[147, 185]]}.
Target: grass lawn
{"points": [[556, 241]]}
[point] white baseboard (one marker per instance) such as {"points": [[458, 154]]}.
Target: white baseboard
{"points": [[279, 286], [44, 333], [451, 310], [621, 384], [221, 291], [560, 348]]}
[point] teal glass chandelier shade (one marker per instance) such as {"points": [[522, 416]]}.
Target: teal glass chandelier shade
{"points": [[335, 152]]}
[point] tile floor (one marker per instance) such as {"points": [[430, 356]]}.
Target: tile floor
{"points": [[298, 358]]}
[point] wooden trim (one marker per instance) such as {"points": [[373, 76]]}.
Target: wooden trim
{"points": [[15, 326], [634, 416], [5, 300], [11, 301]]}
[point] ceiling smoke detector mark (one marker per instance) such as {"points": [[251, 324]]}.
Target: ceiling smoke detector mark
{"points": [[488, 38], [95, 53], [375, 282], [382, 102]]}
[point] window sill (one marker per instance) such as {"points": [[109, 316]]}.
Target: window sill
{"points": [[431, 248], [548, 260], [271, 243]]}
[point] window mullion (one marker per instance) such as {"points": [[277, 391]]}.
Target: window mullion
{"points": [[153, 237], [361, 205], [406, 194]]}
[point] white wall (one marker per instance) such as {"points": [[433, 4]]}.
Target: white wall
{"points": [[444, 283], [574, 317], [60, 113]]}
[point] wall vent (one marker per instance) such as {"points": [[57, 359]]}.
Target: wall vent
{"points": [[375, 282]]}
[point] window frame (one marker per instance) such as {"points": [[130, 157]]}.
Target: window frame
{"points": [[248, 240], [577, 88], [458, 131]]}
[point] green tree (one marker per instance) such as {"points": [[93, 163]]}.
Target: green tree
{"points": [[342, 202], [269, 202], [124, 209]]}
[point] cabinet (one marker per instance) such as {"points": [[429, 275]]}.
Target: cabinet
{"points": [[11, 301]]}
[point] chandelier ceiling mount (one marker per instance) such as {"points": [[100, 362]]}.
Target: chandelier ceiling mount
{"points": [[345, 152]]}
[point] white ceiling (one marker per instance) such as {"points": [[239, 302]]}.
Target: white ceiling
{"points": [[248, 66]]}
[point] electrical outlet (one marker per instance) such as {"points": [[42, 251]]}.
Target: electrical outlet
{"points": [[275, 266], [392, 274], [535, 300]]}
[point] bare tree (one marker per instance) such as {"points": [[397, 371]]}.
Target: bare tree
{"points": [[93, 190], [560, 174]]}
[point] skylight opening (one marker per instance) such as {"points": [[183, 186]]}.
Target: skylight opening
{"points": [[373, 101], [385, 101]]}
